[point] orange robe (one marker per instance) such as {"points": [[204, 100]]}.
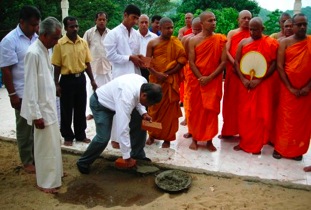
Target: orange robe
{"points": [[294, 116], [255, 106], [182, 85], [231, 90], [205, 100], [165, 56]]}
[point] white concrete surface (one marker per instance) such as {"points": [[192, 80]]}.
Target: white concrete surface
{"points": [[225, 161]]}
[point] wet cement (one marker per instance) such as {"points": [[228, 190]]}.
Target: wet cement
{"points": [[109, 187]]}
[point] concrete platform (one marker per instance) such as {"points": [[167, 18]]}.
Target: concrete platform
{"points": [[225, 161]]}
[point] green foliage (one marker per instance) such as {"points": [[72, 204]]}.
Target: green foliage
{"points": [[226, 20], [272, 24], [193, 5]]}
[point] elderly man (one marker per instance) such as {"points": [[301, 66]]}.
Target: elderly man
{"points": [[119, 97], [232, 81], [255, 97], [293, 128], [39, 107], [145, 36]]}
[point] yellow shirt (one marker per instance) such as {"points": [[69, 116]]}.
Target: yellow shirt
{"points": [[71, 57]]}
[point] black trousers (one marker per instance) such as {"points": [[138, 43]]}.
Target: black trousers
{"points": [[72, 107]]}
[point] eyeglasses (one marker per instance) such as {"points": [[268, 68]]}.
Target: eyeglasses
{"points": [[301, 24]]}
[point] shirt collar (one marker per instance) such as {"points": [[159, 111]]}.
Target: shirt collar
{"points": [[65, 39], [21, 33]]}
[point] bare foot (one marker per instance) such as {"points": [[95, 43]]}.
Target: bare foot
{"points": [[187, 135], [210, 146], [166, 144], [68, 143], [48, 190], [150, 141], [193, 145], [184, 122], [64, 174], [89, 117], [237, 148], [307, 169], [30, 168], [115, 145]]}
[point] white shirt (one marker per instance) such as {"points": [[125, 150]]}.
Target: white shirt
{"points": [[144, 40], [122, 96], [119, 45], [13, 48], [100, 63], [39, 100]]}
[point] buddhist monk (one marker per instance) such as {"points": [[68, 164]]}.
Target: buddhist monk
{"points": [[168, 58], [255, 100], [284, 16], [184, 31], [294, 122], [232, 81], [207, 59], [187, 73]]}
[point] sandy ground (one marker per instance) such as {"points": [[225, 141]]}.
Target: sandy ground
{"points": [[107, 187]]}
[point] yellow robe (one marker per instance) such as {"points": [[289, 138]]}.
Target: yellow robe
{"points": [[165, 56]]}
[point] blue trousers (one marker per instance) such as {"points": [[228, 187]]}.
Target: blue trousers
{"points": [[103, 121]]}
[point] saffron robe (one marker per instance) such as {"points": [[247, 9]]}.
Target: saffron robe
{"points": [[166, 55], [205, 100], [231, 90], [255, 106], [294, 116]]}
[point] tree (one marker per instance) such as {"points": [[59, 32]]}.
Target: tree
{"points": [[193, 5], [272, 24]]}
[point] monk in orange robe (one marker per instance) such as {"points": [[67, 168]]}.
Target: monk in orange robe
{"points": [[196, 28], [294, 112], [168, 58], [207, 59], [255, 99], [232, 81]]}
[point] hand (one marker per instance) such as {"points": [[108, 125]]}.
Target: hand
{"points": [[147, 117], [245, 82], [94, 85], [15, 102], [254, 83], [161, 76], [304, 91], [294, 91], [39, 123], [58, 90], [203, 80], [130, 163], [136, 59]]}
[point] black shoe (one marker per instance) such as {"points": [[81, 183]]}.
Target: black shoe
{"points": [[298, 158], [145, 159], [83, 170], [276, 155]]}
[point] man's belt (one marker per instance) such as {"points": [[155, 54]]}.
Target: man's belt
{"points": [[73, 75]]}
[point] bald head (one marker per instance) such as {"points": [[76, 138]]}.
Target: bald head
{"points": [[165, 20], [244, 18], [205, 15], [196, 26], [256, 28], [188, 18]]}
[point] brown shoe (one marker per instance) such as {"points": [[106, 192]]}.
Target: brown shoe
{"points": [[68, 143]]}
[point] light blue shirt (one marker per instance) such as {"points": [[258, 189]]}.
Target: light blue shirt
{"points": [[13, 48]]}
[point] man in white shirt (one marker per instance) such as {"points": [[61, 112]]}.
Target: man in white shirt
{"points": [[145, 36], [39, 107], [122, 46], [120, 97], [13, 48], [101, 67]]}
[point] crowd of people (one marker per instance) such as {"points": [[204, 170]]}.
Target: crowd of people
{"points": [[146, 74]]}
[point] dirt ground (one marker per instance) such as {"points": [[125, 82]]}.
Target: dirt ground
{"points": [[107, 187]]}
